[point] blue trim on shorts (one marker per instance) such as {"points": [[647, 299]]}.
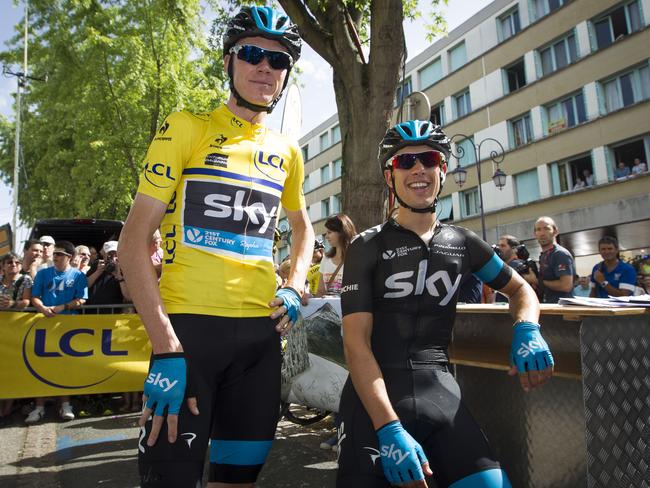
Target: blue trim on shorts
{"points": [[240, 453], [490, 270], [490, 478]]}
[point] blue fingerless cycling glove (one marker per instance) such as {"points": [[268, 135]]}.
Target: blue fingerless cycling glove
{"points": [[529, 350], [166, 382], [401, 455], [291, 299]]}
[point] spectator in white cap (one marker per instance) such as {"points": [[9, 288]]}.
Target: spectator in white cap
{"points": [[48, 251], [106, 284]]}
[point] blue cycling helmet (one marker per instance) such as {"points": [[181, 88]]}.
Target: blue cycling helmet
{"points": [[270, 24], [414, 133], [263, 22]]}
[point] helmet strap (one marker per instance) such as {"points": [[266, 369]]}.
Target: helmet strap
{"points": [[242, 102], [430, 209]]}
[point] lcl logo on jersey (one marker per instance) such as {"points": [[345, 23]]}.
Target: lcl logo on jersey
{"points": [[159, 174], [268, 164], [402, 285]]}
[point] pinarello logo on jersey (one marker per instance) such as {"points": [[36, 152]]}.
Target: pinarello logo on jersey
{"points": [[270, 165]]}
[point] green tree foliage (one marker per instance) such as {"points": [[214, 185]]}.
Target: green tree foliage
{"points": [[115, 69]]}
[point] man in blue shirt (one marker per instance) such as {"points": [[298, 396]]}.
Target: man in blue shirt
{"points": [[611, 277], [59, 289]]}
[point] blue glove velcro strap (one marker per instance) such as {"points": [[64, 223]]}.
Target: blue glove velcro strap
{"points": [[291, 299], [166, 382], [401, 455], [529, 351]]}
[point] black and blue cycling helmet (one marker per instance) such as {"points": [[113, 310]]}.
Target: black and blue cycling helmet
{"points": [[414, 133], [261, 22]]}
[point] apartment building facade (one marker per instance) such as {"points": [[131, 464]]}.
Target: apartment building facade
{"points": [[564, 87]]}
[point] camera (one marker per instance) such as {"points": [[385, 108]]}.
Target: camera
{"points": [[523, 264], [110, 265]]}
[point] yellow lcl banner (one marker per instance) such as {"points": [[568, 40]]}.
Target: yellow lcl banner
{"points": [[71, 354]]}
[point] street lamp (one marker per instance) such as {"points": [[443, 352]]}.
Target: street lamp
{"points": [[460, 173]]}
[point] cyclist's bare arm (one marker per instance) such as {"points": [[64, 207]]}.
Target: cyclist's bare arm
{"points": [[144, 218]]}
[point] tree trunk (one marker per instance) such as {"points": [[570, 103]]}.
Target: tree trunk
{"points": [[363, 187]]}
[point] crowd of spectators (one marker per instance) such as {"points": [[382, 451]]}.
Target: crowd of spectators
{"points": [[57, 278]]}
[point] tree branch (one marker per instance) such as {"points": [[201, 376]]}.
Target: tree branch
{"points": [[311, 31]]}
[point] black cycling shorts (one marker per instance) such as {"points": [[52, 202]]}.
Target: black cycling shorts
{"points": [[428, 403], [234, 368]]}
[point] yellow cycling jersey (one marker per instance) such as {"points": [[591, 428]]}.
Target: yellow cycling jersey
{"points": [[223, 180]]}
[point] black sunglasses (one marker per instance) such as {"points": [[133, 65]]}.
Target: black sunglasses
{"points": [[429, 159], [254, 55]]}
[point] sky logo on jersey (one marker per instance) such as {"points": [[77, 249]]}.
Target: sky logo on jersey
{"points": [[269, 165], [229, 219], [401, 285], [159, 175]]}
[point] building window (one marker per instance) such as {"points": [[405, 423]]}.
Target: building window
{"points": [[444, 209], [572, 175], [618, 23], [509, 24], [465, 150], [457, 56], [521, 131], [336, 134], [325, 208], [403, 91], [305, 152], [324, 141], [516, 76], [631, 155], [626, 89], [527, 187], [430, 74], [438, 114], [462, 104], [283, 225], [469, 203], [338, 168], [558, 54], [306, 186], [566, 113], [540, 8], [325, 175], [336, 203]]}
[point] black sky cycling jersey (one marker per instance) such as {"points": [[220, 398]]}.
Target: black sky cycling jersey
{"points": [[411, 288]]}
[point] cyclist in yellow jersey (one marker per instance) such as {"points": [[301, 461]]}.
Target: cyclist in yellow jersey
{"points": [[215, 184]]}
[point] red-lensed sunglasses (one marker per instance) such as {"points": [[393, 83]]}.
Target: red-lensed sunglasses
{"points": [[429, 159]]}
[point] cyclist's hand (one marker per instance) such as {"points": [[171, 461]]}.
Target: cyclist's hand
{"points": [[530, 356], [402, 457], [287, 301], [164, 390]]}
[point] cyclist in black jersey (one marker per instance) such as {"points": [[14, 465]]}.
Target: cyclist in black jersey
{"points": [[402, 415], [215, 183]]}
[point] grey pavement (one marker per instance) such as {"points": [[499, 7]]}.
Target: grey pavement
{"points": [[101, 451]]}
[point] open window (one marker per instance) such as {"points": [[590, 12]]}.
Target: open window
{"points": [[515, 76], [617, 24], [572, 174]]}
